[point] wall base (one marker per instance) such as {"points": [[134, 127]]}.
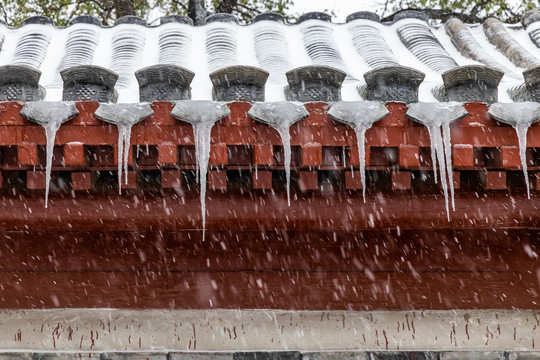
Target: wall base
{"points": [[103, 330]]}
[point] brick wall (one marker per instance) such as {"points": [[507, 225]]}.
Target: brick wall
{"points": [[325, 241], [324, 153]]}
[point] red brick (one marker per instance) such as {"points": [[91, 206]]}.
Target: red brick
{"points": [[463, 155], [496, 180], [27, 154], [162, 114], [477, 116], [396, 118], [510, 156], [264, 154], [394, 136], [167, 153], [537, 183], [132, 180], [35, 179], [312, 154], [353, 180], [74, 154], [409, 156], [86, 115], [301, 134], [10, 114], [262, 179], [81, 180], [401, 180], [336, 134], [171, 179], [218, 154], [354, 159], [239, 116], [317, 114], [234, 135], [308, 180], [265, 134], [217, 180]]}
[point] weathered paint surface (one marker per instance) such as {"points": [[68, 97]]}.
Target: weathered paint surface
{"points": [[85, 330]]}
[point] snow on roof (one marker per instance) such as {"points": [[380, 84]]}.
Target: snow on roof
{"points": [[355, 48]]}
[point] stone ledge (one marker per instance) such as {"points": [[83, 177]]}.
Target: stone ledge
{"points": [[266, 334], [278, 355]]}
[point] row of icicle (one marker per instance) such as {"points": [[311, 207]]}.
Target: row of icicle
{"points": [[360, 115]]}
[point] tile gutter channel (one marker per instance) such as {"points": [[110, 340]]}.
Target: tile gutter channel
{"points": [[218, 330]]}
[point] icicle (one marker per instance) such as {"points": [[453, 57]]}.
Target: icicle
{"points": [[50, 115], [521, 131], [127, 144], [283, 130], [437, 117], [50, 133], [448, 155], [280, 116], [360, 115], [521, 116], [441, 154], [202, 115], [202, 132], [433, 152], [124, 116], [439, 148], [124, 143], [120, 156], [360, 131]]}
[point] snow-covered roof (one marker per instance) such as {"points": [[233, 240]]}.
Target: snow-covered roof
{"points": [[493, 52]]}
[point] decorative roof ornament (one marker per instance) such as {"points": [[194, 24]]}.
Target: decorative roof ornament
{"points": [[244, 83], [529, 90], [314, 83], [472, 83], [164, 82], [89, 83], [20, 83], [392, 83]]}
